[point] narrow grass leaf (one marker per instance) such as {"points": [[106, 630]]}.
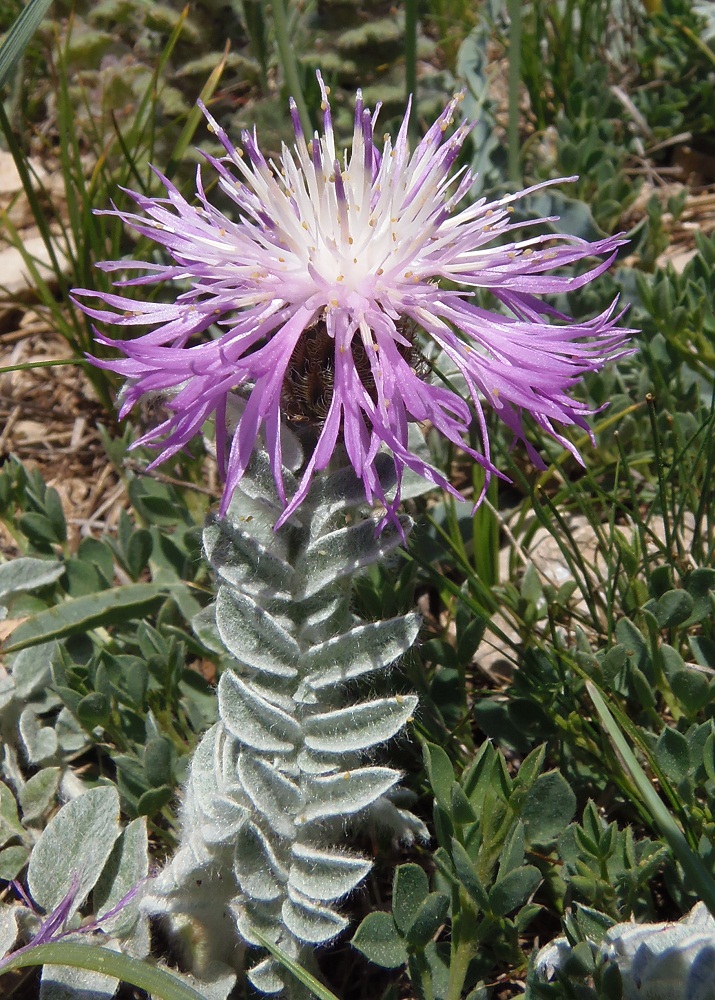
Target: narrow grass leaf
{"points": [[158, 983], [700, 878], [19, 37], [318, 990]]}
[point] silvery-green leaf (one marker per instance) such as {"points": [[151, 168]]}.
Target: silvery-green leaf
{"points": [[70, 734], [267, 977], [211, 808], [346, 793], [27, 573], [665, 961], [220, 823], [8, 927], [39, 742], [7, 688], [259, 483], [359, 726], [10, 767], [239, 558], [12, 861], [403, 824], [325, 875], [10, 825], [252, 719], [60, 982], [251, 916], [317, 763], [257, 870], [274, 796], [126, 867], [359, 651], [344, 551], [74, 845], [216, 982], [31, 669], [327, 614], [39, 793], [253, 636], [205, 629], [310, 922], [342, 490]]}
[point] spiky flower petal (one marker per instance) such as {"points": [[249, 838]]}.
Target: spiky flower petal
{"points": [[315, 287]]}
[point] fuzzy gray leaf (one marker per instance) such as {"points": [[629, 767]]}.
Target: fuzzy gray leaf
{"points": [[318, 763], [274, 796], [216, 982], [26, 573], [346, 793], [38, 794], [70, 735], [258, 483], [7, 684], [74, 845], [126, 867], [204, 628], [256, 867], [253, 720], [243, 561], [359, 651], [325, 875], [267, 977], [342, 490], [253, 636], [210, 805], [310, 922], [359, 726], [252, 916], [39, 742], [31, 669], [342, 552], [8, 928], [59, 982]]}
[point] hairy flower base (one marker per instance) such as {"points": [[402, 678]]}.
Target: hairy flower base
{"points": [[363, 249]]}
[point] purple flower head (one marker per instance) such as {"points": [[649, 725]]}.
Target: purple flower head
{"points": [[317, 285]]}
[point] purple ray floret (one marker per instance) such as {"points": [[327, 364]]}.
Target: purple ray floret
{"points": [[367, 246]]}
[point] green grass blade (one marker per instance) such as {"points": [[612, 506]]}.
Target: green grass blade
{"points": [[19, 37], [155, 981], [27, 365], [700, 879], [195, 117], [318, 990]]}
